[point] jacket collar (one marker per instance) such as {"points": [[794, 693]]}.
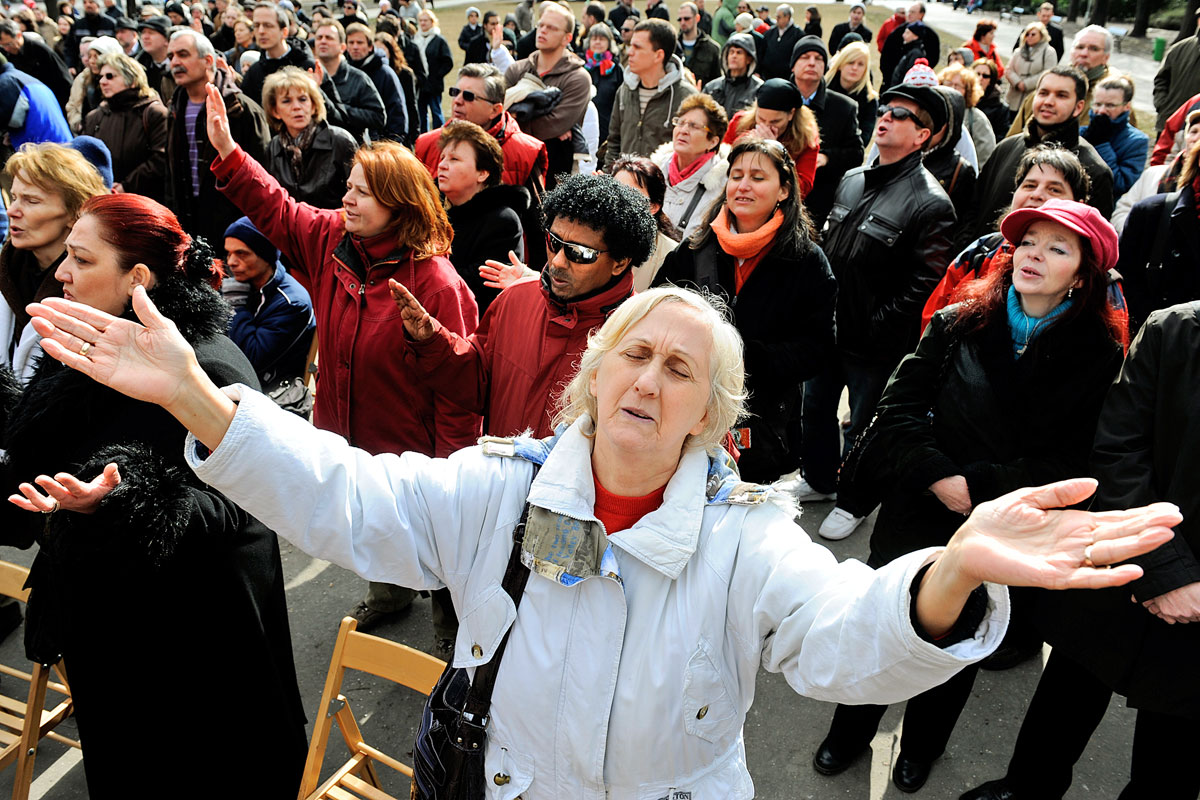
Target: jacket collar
{"points": [[1065, 134], [888, 172], [673, 72], [591, 308], [664, 539]]}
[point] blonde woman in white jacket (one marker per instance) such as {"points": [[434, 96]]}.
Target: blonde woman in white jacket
{"points": [[694, 162], [1031, 59], [660, 583]]}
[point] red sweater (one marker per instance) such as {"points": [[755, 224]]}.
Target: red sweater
{"points": [[364, 391], [513, 368]]}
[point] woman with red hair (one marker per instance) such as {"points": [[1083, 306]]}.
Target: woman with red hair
{"points": [[138, 561], [1004, 390], [391, 225]]}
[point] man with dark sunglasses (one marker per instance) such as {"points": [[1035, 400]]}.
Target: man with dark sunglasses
{"points": [[528, 343], [888, 239]]}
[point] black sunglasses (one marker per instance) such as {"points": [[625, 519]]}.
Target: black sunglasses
{"points": [[900, 114], [108, 76], [467, 95], [576, 253]]}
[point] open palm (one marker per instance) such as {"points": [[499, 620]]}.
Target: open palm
{"points": [[147, 362]]}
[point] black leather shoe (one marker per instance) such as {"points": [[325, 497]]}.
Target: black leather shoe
{"points": [[992, 790], [909, 775], [826, 763]]}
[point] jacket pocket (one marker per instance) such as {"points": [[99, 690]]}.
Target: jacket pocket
{"points": [[709, 710], [837, 215], [883, 230], [506, 773]]}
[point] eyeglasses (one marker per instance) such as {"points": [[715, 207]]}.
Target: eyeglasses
{"points": [[900, 114], [680, 122], [467, 95], [107, 76], [684, 19], [576, 253]]}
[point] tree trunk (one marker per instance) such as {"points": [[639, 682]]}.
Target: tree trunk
{"points": [[1073, 11], [1099, 15], [1188, 27], [1141, 19]]}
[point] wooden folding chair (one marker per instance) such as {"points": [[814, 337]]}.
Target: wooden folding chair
{"points": [[23, 724], [384, 659]]}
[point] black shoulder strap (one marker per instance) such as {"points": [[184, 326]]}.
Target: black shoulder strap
{"points": [[691, 209], [479, 698]]}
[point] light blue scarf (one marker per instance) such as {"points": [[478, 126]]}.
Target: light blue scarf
{"points": [[1024, 328]]}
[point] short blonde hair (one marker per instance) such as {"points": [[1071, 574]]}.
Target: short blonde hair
{"points": [[428, 12], [133, 73], [727, 373], [58, 169], [562, 10], [280, 83]]}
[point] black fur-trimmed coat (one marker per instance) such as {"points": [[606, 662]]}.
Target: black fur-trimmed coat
{"points": [[169, 594]]}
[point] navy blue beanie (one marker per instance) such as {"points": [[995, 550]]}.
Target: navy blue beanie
{"points": [[97, 154], [244, 230]]}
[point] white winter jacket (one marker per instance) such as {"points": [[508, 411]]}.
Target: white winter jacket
{"points": [[712, 176], [633, 661], [28, 348]]}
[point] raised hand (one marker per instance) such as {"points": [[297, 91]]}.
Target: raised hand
{"points": [[217, 120], [498, 275], [497, 37], [417, 322], [1027, 538], [150, 362], [65, 491], [318, 72]]}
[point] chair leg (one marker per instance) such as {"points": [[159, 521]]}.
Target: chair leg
{"points": [[31, 731]]}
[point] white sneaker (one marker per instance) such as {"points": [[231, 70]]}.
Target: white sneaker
{"points": [[839, 524], [799, 488]]}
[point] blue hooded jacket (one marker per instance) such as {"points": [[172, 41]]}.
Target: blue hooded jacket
{"points": [[29, 111]]}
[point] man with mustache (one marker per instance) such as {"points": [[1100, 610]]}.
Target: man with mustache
{"points": [[191, 188]]}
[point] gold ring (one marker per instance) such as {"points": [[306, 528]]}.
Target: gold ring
{"points": [[52, 510], [83, 351]]}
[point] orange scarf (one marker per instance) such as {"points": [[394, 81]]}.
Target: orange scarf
{"points": [[747, 248]]}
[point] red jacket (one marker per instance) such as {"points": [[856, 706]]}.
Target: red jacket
{"points": [[887, 27], [805, 160], [514, 367], [365, 393], [992, 53], [1171, 129], [522, 152]]}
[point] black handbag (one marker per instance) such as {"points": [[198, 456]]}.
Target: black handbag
{"points": [[448, 756]]}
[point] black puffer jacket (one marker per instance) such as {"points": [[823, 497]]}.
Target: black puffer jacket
{"points": [[888, 239], [486, 227], [1146, 450], [298, 55], [395, 99], [784, 313], [325, 166], [135, 130], [1159, 264], [981, 427], [353, 102], [202, 578]]}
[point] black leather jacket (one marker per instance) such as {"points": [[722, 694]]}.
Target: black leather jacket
{"points": [[888, 240]]}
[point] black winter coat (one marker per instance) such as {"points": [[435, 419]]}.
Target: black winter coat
{"points": [[395, 99], [1146, 450], [785, 315], [1160, 265], [997, 179], [166, 573], [888, 239], [1002, 423], [437, 55], [208, 214], [326, 166], [909, 54], [606, 92], [776, 61], [866, 108], [298, 55], [486, 227], [353, 102], [841, 143], [135, 130], [38, 60], [841, 29], [893, 51]]}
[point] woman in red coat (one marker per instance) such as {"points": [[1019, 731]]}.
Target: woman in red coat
{"points": [[390, 226], [983, 46], [779, 113]]}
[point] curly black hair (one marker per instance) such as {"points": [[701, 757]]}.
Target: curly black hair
{"points": [[621, 214]]}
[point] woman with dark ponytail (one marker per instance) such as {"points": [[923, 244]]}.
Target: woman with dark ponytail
{"points": [[162, 588]]}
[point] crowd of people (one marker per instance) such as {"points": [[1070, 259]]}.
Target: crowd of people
{"points": [[655, 257]]}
